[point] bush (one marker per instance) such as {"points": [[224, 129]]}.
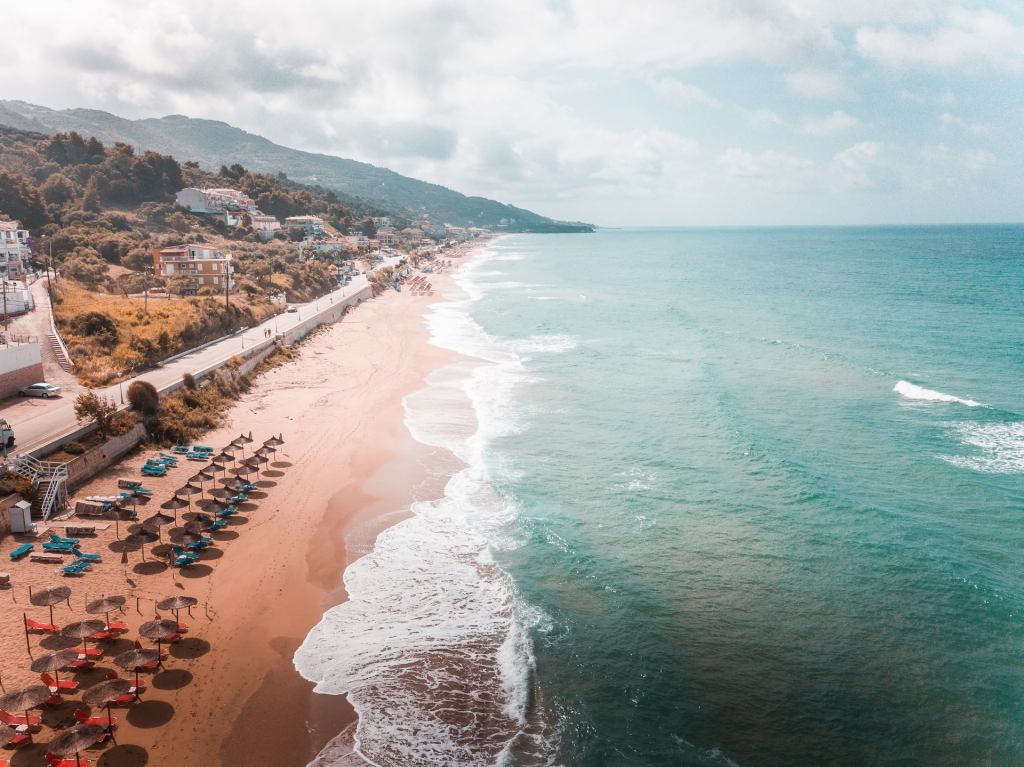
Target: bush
{"points": [[23, 486], [74, 448], [189, 381], [143, 397], [90, 407]]}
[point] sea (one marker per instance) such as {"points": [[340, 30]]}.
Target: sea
{"points": [[724, 497]]}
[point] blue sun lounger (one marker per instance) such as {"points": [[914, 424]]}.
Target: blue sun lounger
{"points": [[87, 557], [21, 551]]}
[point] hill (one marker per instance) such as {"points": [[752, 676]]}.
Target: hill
{"points": [[213, 144]]}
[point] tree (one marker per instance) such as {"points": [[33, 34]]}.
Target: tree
{"points": [[20, 200], [143, 397], [86, 267], [137, 259], [90, 407]]}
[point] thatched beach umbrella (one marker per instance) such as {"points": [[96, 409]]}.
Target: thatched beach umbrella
{"points": [[200, 478], [75, 739], [7, 734], [141, 538], [104, 693], [105, 606], [136, 659], [198, 526], [48, 597], [83, 630], [158, 630], [185, 538], [244, 470], [54, 661], [177, 603], [24, 699], [275, 441], [187, 491]]}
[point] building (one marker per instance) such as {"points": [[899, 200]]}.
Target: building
{"points": [[265, 226], [207, 267], [312, 225], [20, 366], [382, 222], [216, 201], [15, 249], [388, 238]]}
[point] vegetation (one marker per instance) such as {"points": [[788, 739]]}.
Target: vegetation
{"points": [[144, 398], [103, 414], [188, 412]]}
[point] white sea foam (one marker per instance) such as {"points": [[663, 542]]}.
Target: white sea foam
{"points": [[999, 446], [433, 644], [913, 391]]}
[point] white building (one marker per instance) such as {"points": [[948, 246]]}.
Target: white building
{"points": [[313, 225], [265, 226], [15, 252], [382, 222], [216, 201]]}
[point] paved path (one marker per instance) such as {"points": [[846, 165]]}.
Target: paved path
{"points": [[37, 422]]}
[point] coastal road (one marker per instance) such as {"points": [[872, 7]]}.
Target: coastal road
{"points": [[37, 426]]}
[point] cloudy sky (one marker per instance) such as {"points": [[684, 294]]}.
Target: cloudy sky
{"points": [[675, 112]]}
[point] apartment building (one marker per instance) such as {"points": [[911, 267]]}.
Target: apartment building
{"points": [[205, 266]]}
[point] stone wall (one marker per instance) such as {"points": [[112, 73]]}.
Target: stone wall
{"points": [[100, 457]]}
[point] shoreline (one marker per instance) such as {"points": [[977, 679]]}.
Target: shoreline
{"points": [[233, 693]]}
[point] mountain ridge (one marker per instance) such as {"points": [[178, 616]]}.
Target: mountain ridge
{"points": [[213, 143]]}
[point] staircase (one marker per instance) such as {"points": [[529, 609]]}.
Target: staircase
{"points": [[59, 351], [50, 479]]}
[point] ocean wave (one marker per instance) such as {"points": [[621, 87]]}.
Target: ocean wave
{"points": [[913, 391], [1000, 446], [534, 344], [433, 645]]}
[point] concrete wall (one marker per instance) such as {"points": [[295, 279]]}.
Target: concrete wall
{"points": [[5, 513], [329, 313], [19, 366], [100, 457]]}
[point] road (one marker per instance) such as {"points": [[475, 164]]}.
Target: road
{"points": [[47, 420]]}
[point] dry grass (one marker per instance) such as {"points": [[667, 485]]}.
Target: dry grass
{"points": [[101, 355]]}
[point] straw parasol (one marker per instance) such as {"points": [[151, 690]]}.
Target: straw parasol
{"points": [[104, 693], [198, 527], [136, 659], [158, 630], [83, 630], [187, 491], [48, 597], [177, 603], [245, 469], [186, 538], [24, 699], [141, 538], [201, 477], [75, 739], [105, 606], [275, 441], [54, 662], [266, 450], [7, 734]]}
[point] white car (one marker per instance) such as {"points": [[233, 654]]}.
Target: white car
{"points": [[292, 309], [43, 390]]}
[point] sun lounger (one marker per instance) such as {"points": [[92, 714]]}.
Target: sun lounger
{"points": [[134, 486], [87, 557], [182, 627], [21, 551], [81, 665], [72, 570], [169, 457], [194, 456], [132, 690], [11, 720], [56, 761], [153, 471], [49, 559], [54, 538], [41, 628], [55, 686], [241, 498], [180, 449], [92, 652], [117, 627], [202, 448], [182, 553], [102, 721], [64, 547], [152, 664], [160, 462], [80, 530]]}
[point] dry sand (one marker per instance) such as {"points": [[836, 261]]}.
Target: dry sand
{"points": [[228, 693]]}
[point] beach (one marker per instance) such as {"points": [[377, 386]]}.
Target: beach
{"points": [[229, 691]]}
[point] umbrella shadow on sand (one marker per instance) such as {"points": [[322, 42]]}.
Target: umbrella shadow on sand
{"points": [[281, 464], [150, 713], [189, 649], [174, 679], [195, 571], [149, 568], [124, 756]]}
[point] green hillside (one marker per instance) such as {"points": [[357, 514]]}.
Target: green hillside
{"points": [[213, 144]]}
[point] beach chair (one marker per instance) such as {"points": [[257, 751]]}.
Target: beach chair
{"points": [[169, 457], [183, 553], [247, 487], [182, 449], [55, 686], [41, 628], [56, 761], [160, 462], [182, 627], [82, 665], [21, 551], [87, 557], [64, 548], [202, 448], [241, 498], [92, 652], [195, 456], [152, 471], [132, 691], [57, 539], [72, 571], [106, 722]]}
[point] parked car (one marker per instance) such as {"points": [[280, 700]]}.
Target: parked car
{"points": [[43, 390], [292, 309]]}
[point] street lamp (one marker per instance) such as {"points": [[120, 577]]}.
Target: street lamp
{"points": [[120, 384]]}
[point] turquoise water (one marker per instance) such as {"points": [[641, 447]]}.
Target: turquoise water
{"points": [[733, 534]]}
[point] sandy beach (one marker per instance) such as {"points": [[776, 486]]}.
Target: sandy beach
{"points": [[228, 692]]}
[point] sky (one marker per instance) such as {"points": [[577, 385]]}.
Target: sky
{"points": [[666, 112]]}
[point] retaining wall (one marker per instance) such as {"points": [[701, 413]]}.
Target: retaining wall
{"points": [[19, 366], [100, 457], [330, 313]]}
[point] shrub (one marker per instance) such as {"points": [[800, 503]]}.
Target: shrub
{"points": [[23, 486], [189, 381], [74, 448], [143, 397], [90, 407]]}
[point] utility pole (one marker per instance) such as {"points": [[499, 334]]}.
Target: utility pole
{"points": [[227, 284], [7, 342], [145, 290]]}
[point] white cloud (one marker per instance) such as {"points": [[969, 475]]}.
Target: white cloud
{"points": [[676, 92], [817, 84], [966, 127], [966, 36], [828, 125]]}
